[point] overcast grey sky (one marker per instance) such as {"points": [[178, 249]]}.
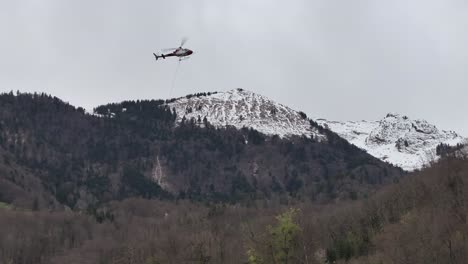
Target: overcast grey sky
{"points": [[337, 59]]}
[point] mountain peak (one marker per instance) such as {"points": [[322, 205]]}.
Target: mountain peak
{"points": [[405, 142], [242, 108]]}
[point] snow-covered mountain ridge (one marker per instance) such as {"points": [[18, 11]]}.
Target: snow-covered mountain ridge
{"points": [[397, 139], [241, 108]]}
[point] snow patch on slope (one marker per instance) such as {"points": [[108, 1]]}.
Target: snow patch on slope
{"points": [[241, 108], [409, 144]]}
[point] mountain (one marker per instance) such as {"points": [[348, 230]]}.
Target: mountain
{"points": [[54, 153], [397, 139], [241, 108], [408, 143]]}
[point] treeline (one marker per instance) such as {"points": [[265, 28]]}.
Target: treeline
{"points": [[421, 219], [445, 150], [190, 96]]}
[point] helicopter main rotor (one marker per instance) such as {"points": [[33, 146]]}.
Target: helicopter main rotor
{"points": [[182, 43]]}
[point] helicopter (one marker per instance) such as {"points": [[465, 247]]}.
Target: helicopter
{"points": [[176, 52]]}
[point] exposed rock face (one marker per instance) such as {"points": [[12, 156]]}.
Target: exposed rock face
{"points": [[241, 108], [407, 143]]}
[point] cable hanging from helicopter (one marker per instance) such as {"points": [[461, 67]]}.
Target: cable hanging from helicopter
{"points": [[179, 52]]}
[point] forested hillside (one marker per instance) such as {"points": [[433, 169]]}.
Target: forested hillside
{"points": [[144, 190], [53, 153], [421, 219]]}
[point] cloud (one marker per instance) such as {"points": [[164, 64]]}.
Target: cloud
{"points": [[334, 59]]}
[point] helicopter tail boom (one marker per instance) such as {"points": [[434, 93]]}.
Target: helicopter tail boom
{"points": [[157, 57]]}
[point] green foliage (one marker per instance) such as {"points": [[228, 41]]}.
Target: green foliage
{"points": [[281, 244], [284, 237], [5, 205], [151, 260], [348, 246], [252, 257]]}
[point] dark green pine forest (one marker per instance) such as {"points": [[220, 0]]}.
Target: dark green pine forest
{"points": [[54, 154]]}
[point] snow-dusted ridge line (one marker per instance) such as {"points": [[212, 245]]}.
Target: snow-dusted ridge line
{"points": [[241, 108], [397, 139]]}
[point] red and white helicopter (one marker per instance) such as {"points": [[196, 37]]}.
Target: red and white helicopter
{"points": [[180, 52]]}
